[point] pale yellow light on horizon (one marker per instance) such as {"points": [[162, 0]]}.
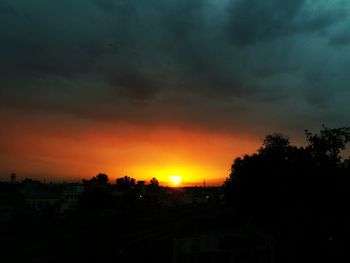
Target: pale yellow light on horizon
{"points": [[59, 151], [175, 179], [173, 175]]}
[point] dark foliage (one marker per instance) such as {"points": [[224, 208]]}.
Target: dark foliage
{"points": [[97, 195], [126, 182], [296, 193]]}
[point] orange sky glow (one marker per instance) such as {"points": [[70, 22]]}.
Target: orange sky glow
{"points": [[59, 149]]}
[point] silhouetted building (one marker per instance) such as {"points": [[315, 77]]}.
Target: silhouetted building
{"points": [[56, 198], [13, 178], [42, 201], [70, 197]]}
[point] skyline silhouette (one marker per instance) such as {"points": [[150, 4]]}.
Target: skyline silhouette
{"points": [[187, 131], [132, 87], [281, 203]]}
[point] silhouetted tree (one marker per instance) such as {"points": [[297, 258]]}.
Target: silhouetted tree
{"points": [[141, 183], [154, 182], [96, 195], [275, 142], [98, 179], [125, 182], [298, 193], [102, 178], [327, 146], [153, 192], [128, 186]]}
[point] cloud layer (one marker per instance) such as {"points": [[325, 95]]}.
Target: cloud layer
{"points": [[209, 64]]}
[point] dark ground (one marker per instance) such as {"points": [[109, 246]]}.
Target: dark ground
{"points": [[128, 235]]}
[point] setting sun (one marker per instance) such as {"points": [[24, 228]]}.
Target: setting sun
{"points": [[176, 179]]}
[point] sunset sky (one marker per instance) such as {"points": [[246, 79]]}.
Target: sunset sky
{"points": [[163, 88]]}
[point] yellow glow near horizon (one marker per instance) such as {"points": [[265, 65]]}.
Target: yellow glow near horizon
{"points": [[59, 151], [190, 174], [176, 179], [175, 175]]}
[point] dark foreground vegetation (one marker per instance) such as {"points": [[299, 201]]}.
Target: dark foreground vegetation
{"points": [[299, 195], [100, 221], [283, 203]]}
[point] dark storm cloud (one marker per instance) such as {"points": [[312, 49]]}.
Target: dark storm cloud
{"points": [[341, 39], [133, 85], [193, 62], [6, 9], [261, 20]]}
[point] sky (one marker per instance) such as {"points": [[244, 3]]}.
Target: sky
{"points": [[164, 87]]}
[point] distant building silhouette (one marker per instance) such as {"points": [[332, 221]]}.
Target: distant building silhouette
{"points": [[70, 197], [13, 178], [56, 198], [43, 200]]}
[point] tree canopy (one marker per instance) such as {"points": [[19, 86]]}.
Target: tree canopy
{"points": [[126, 182], [326, 147], [280, 175], [98, 179]]}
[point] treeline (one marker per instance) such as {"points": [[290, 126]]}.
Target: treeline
{"points": [[100, 193], [298, 194]]}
